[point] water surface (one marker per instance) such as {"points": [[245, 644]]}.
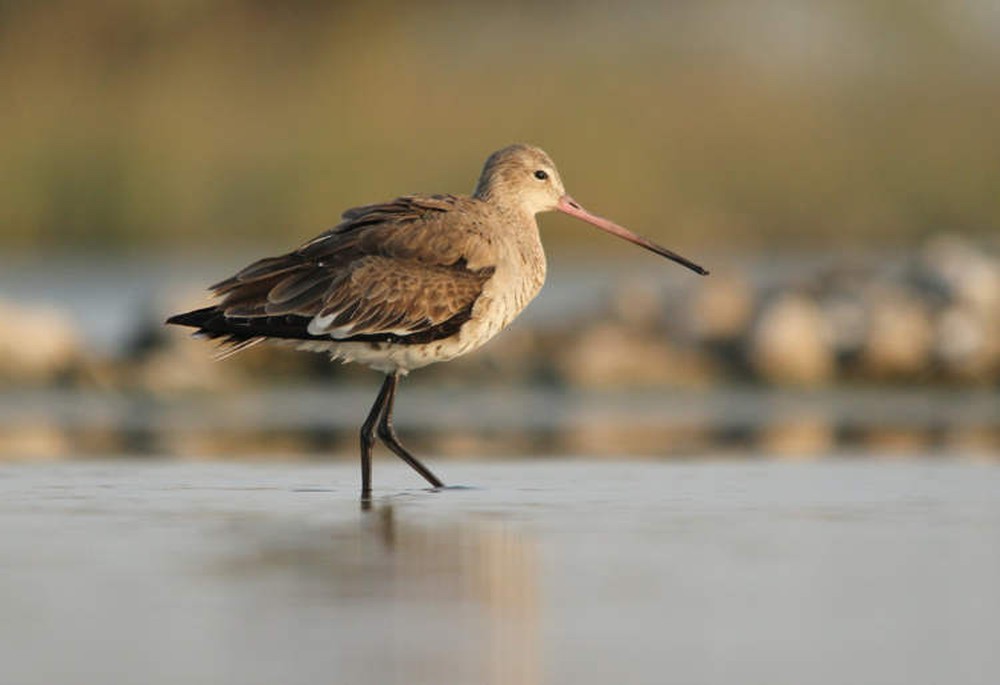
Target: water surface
{"points": [[551, 571]]}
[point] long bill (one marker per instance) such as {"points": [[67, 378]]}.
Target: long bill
{"points": [[570, 206]]}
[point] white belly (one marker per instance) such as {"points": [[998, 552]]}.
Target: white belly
{"points": [[388, 357]]}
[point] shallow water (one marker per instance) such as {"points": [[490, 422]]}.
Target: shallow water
{"points": [[550, 571]]}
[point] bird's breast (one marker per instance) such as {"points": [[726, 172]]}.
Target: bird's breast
{"points": [[518, 277]]}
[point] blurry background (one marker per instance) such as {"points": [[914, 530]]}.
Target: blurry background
{"points": [[836, 166]]}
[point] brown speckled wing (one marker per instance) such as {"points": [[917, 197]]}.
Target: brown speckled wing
{"points": [[398, 297], [409, 270]]}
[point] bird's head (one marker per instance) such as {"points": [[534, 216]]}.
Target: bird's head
{"points": [[524, 178]]}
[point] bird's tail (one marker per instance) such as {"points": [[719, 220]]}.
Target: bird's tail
{"points": [[196, 318], [211, 323]]}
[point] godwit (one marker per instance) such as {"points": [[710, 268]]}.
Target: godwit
{"points": [[400, 285]]}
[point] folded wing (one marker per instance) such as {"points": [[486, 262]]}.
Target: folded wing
{"points": [[407, 271]]}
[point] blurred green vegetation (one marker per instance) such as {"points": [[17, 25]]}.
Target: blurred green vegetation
{"points": [[721, 123]]}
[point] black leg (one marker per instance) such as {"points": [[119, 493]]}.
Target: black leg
{"points": [[388, 434], [368, 435]]}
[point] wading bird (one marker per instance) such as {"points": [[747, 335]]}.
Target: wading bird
{"points": [[404, 284]]}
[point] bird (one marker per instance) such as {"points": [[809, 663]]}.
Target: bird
{"points": [[402, 284]]}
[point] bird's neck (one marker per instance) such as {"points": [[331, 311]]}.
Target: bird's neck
{"points": [[510, 212]]}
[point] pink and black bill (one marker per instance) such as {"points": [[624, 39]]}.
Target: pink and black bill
{"points": [[570, 206]]}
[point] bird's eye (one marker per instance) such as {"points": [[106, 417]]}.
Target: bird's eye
{"points": [[541, 175]]}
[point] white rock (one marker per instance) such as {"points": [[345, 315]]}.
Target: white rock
{"points": [[37, 344], [789, 342]]}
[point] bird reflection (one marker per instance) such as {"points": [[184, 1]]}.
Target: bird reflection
{"points": [[383, 578], [488, 562]]}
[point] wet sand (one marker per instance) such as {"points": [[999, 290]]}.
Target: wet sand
{"points": [[551, 571]]}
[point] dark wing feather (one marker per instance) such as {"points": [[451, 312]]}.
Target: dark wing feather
{"points": [[385, 295], [406, 271]]}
